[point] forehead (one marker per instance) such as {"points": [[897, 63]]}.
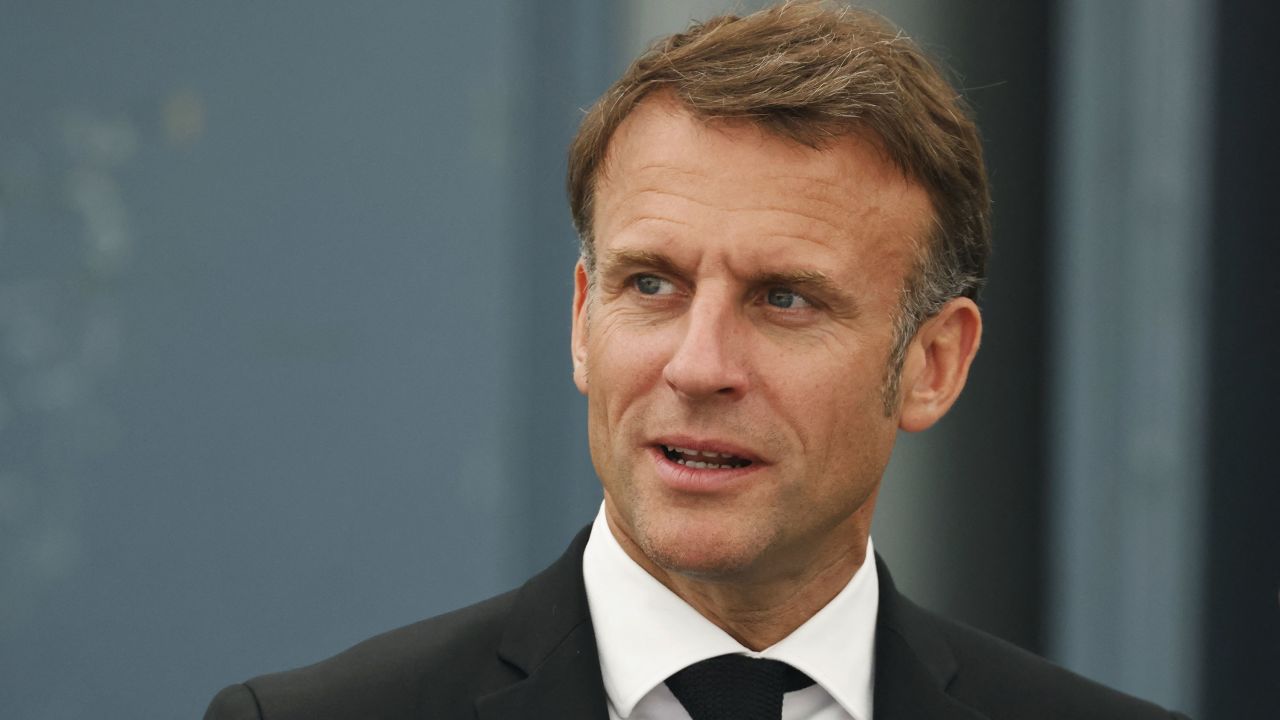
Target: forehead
{"points": [[663, 162]]}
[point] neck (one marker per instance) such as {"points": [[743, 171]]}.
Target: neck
{"points": [[760, 609]]}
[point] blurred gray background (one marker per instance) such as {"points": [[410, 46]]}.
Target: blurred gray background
{"points": [[284, 302]]}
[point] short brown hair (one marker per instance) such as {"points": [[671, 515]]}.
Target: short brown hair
{"points": [[811, 72]]}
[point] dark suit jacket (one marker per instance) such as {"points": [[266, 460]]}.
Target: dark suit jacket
{"points": [[531, 653]]}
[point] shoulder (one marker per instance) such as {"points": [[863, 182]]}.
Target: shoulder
{"points": [[439, 667], [1005, 681], [434, 666], [925, 659]]}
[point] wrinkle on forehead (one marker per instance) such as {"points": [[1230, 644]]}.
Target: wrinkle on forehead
{"points": [[837, 191], [636, 199]]}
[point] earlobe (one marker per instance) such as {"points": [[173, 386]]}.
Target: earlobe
{"points": [[937, 365], [578, 337]]}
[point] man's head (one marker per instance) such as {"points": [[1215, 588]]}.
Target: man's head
{"points": [[782, 215], [812, 73]]}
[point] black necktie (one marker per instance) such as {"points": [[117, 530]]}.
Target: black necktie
{"points": [[736, 687]]}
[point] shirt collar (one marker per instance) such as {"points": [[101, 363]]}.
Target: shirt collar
{"points": [[645, 633]]}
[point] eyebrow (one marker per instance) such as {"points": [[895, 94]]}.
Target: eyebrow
{"points": [[803, 278], [814, 283], [618, 260]]}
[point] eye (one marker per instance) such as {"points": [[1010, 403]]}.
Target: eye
{"points": [[781, 297], [652, 285]]}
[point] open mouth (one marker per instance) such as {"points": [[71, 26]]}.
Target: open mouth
{"points": [[703, 460]]}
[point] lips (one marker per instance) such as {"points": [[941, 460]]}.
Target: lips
{"points": [[691, 466]]}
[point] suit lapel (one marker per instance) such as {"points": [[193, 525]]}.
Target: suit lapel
{"points": [[914, 664], [549, 638]]}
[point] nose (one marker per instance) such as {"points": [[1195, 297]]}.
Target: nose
{"points": [[709, 360]]}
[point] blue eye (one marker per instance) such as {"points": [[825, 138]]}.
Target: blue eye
{"points": [[651, 285], [785, 299]]}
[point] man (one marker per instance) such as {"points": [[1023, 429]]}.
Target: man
{"points": [[784, 223]]}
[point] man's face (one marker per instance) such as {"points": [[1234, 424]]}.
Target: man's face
{"points": [[742, 309]]}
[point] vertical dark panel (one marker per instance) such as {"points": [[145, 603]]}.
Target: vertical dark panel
{"points": [[1242, 634], [994, 472]]}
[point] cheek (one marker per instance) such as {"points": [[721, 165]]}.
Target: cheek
{"points": [[622, 366], [861, 435], [835, 407]]}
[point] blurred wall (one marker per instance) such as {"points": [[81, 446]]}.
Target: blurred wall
{"points": [[273, 352], [1129, 324]]}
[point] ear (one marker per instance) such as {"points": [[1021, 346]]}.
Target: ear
{"points": [[937, 363], [578, 340]]}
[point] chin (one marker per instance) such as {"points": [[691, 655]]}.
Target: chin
{"points": [[701, 548]]}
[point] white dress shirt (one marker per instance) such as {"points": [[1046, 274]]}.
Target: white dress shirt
{"points": [[645, 633]]}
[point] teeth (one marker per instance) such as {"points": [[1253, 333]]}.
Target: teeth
{"points": [[695, 453], [683, 456], [700, 465]]}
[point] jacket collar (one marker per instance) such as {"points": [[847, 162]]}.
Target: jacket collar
{"points": [[549, 638], [914, 663]]}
